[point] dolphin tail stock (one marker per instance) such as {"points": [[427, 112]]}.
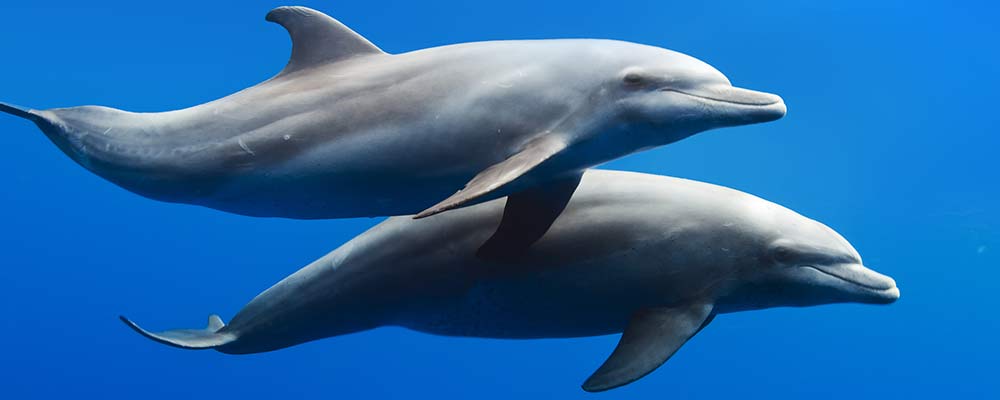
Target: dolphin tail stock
{"points": [[191, 339], [19, 111]]}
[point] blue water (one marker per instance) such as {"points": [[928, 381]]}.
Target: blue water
{"points": [[890, 138]]}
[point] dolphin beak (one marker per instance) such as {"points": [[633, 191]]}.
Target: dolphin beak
{"points": [[739, 106], [867, 285]]}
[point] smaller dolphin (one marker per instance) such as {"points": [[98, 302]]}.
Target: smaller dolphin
{"points": [[347, 130], [655, 258]]}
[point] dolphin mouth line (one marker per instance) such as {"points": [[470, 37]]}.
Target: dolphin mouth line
{"points": [[720, 100], [851, 281]]}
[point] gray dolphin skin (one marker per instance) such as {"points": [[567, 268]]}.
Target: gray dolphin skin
{"points": [[347, 130], [652, 257]]}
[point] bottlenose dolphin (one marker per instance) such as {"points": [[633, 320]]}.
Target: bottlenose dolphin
{"points": [[347, 130], [653, 257]]}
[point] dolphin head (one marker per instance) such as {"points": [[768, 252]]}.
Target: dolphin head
{"points": [[673, 95], [816, 272], [806, 263]]}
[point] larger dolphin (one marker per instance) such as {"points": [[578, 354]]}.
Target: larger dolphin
{"points": [[653, 257], [346, 130]]}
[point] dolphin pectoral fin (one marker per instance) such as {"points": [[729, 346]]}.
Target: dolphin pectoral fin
{"points": [[652, 337], [317, 38], [500, 174], [527, 216], [192, 339]]}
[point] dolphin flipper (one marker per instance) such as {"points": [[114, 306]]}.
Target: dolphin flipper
{"points": [[193, 339], [500, 174], [527, 216], [652, 337]]}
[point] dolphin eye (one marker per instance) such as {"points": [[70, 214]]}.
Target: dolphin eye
{"points": [[632, 78], [783, 254]]}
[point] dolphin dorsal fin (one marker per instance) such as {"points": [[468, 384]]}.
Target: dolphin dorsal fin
{"points": [[317, 38]]}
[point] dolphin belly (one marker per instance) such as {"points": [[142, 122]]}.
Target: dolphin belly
{"points": [[504, 312], [320, 197], [337, 183]]}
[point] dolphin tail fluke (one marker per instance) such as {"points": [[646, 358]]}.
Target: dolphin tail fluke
{"points": [[192, 339], [18, 111]]}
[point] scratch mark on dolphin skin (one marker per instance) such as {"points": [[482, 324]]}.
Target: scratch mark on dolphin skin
{"points": [[245, 148], [299, 10], [107, 131]]}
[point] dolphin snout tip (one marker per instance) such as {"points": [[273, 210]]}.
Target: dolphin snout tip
{"points": [[779, 102], [779, 107], [893, 294], [889, 295], [772, 108], [749, 106]]}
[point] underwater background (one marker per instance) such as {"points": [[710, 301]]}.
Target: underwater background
{"points": [[890, 138]]}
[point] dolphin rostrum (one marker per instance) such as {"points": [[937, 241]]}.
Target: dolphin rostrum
{"points": [[655, 258], [347, 130]]}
